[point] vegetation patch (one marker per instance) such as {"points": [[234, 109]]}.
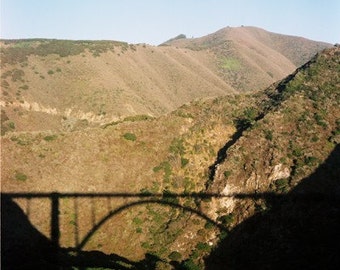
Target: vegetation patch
{"points": [[49, 138], [175, 256], [20, 49], [130, 136], [20, 176], [177, 146], [141, 117], [231, 64]]}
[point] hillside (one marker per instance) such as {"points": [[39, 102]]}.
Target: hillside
{"points": [[62, 85], [181, 183], [287, 161], [250, 58]]}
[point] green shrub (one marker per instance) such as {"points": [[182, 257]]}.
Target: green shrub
{"points": [[137, 221], [311, 161], [175, 256], [208, 225], [184, 162], [227, 174], [50, 72], [49, 138], [20, 176], [145, 191], [282, 184], [320, 120], [247, 119], [177, 146], [226, 219], [146, 245], [157, 168], [24, 87], [189, 265], [315, 138], [130, 136], [203, 246], [11, 125], [268, 134], [166, 167]]}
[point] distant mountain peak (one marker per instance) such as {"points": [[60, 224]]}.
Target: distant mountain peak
{"points": [[180, 36]]}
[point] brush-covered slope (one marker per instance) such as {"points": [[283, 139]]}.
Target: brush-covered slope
{"points": [[195, 173], [285, 169], [67, 85]]}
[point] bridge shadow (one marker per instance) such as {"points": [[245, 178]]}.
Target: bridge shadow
{"points": [[24, 247], [301, 230]]}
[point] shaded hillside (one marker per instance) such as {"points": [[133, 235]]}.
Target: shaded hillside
{"points": [[63, 85], [289, 157], [300, 230]]}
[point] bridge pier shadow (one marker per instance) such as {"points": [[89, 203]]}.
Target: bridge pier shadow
{"points": [[22, 245]]}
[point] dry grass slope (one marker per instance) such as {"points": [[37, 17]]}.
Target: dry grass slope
{"points": [[62, 85]]}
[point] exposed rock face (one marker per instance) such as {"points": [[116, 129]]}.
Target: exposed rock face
{"points": [[279, 172]]}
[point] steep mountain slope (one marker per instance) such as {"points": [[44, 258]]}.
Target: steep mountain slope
{"points": [[182, 181], [66, 85], [288, 161]]}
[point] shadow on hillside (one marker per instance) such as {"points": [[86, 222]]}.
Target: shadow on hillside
{"points": [[24, 247], [300, 231], [241, 124]]}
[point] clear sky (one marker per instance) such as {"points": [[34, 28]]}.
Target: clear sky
{"points": [[155, 21]]}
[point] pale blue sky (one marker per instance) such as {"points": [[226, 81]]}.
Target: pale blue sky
{"points": [[154, 21]]}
